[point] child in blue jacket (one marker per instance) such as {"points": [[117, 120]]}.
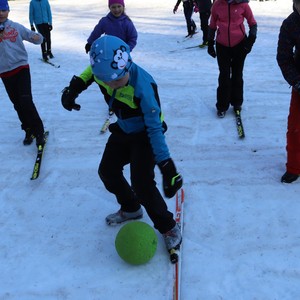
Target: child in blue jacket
{"points": [[40, 15], [137, 138]]}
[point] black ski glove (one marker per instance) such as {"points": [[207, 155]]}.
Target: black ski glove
{"points": [[211, 48], [250, 40], [50, 27], [296, 87], [87, 47], [71, 92], [248, 43], [172, 181], [32, 28]]}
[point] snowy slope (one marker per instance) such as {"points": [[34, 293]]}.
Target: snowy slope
{"points": [[241, 237]]}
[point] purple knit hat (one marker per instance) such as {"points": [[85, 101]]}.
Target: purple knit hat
{"points": [[111, 2]]}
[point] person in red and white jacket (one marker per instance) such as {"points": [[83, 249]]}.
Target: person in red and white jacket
{"points": [[232, 47]]}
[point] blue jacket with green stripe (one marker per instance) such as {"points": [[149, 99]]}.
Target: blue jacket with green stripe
{"points": [[137, 107]]}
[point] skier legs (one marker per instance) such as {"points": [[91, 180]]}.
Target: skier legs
{"points": [[204, 17], [188, 11], [237, 83], [224, 87], [22, 101], [123, 149], [293, 135]]}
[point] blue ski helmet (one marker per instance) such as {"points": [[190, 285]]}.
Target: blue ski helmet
{"points": [[110, 58]]}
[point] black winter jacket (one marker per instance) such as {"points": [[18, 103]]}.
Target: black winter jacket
{"points": [[288, 56], [204, 5]]}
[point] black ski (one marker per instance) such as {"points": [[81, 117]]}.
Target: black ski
{"points": [[39, 157], [187, 48], [188, 37], [239, 124], [50, 63]]}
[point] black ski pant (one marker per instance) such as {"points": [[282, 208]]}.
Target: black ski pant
{"points": [[135, 150], [231, 64], [18, 88], [44, 30], [204, 17], [188, 12]]}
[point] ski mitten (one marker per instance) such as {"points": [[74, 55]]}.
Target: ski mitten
{"points": [[172, 180]]}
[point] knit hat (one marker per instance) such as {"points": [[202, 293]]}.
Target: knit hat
{"points": [[111, 2], [110, 58], [4, 5]]}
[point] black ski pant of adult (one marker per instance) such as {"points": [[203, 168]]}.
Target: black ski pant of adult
{"points": [[188, 11], [204, 17], [18, 88], [231, 84], [44, 30], [135, 150]]}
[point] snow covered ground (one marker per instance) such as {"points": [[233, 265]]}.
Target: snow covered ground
{"points": [[241, 239]]}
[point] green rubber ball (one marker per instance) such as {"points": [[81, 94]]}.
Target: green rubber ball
{"points": [[136, 242]]}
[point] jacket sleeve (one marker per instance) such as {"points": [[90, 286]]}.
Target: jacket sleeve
{"points": [[150, 106], [177, 3], [132, 35], [285, 55], [49, 13], [213, 18], [27, 35], [87, 75], [97, 32], [250, 20], [31, 20], [212, 25]]}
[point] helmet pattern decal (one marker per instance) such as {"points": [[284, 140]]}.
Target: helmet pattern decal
{"points": [[120, 59]]}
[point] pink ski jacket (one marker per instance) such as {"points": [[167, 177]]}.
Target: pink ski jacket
{"points": [[228, 20]]}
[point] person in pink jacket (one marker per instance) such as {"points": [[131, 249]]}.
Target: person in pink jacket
{"points": [[232, 47]]}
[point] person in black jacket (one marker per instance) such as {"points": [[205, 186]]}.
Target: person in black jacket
{"points": [[288, 59], [204, 7], [188, 8]]}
